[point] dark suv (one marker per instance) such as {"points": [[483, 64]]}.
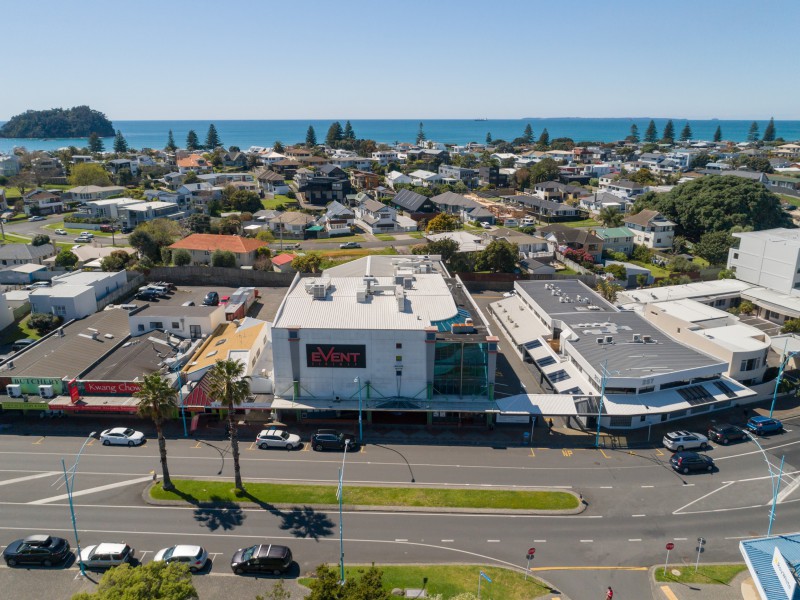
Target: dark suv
{"points": [[330, 439], [725, 433], [42, 550], [683, 462], [211, 299], [262, 558]]}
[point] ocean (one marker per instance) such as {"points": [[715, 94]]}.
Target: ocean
{"points": [[244, 134]]}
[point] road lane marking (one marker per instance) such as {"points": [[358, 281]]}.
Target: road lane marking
{"points": [[638, 516], [39, 441], [597, 568], [757, 451], [306, 447], [684, 539], [447, 541], [665, 589], [197, 445], [92, 442], [93, 490], [587, 541], [566, 452], [785, 492], [648, 486], [533, 454], [29, 477], [252, 446], [142, 553], [492, 541], [539, 541], [634, 539], [606, 487], [659, 452], [363, 449], [603, 452], [400, 540]]}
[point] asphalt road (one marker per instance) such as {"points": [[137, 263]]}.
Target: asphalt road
{"points": [[635, 505], [32, 228]]}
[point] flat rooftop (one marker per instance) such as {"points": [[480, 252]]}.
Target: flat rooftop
{"points": [[229, 340], [692, 311], [737, 338], [386, 265], [137, 357], [699, 291]]}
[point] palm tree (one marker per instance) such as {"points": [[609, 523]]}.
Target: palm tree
{"points": [[610, 217], [157, 400], [230, 386]]}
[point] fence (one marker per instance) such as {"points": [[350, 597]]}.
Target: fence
{"points": [[135, 281], [197, 275]]}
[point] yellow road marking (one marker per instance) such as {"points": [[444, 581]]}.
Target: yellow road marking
{"points": [[566, 452], [362, 450], [659, 452], [252, 446], [197, 445], [533, 454], [39, 441], [603, 452], [632, 453], [92, 442], [665, 589], [306, 447]]}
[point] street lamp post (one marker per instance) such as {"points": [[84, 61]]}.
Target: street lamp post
{"points": [[600, 404], [340, 494], [357, 381], [183, 411], [774, 476], [784, 362], [69, 481]]}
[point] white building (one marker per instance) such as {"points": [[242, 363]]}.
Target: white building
{"points": [[75, 295], [769, 258], [394, 178], [651, 229], [190, 322]]}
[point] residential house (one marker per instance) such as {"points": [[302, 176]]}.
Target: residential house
{"points": [[140, 212], [394, 178], [283, 263], [364, 180], [621, 187], [271, 182], [298, 152], [741, 173], [337, 220], [546, 210], [558, 192], [530, 246], [25, 254], [87, 193], [492, 177], [234, 159], [454, 204], [452, 174], [562, 237], [651, 229], [201, 247], [600, 200], [195, 163], [375, 216], [412, 202], [198, 195], [291, 224], [479, 214], [174, 180], [616, 239], [76, 294], [787, 150], [769, 258], [48, 169], [322, 189], [632, 274], [42, 202], [165, 196], [188, 322], [424, 178], [118, 164], [269, 157], [286, 167], [9, 165], [351, 162], [384, 157], [784, 184], [302, 175]]}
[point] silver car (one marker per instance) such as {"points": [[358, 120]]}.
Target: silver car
{"points": [[122, 436], [195, 557], [678, 441], [106, 555], [277, 438]]}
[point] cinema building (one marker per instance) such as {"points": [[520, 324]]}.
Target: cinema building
{"points": [[395, 334]]}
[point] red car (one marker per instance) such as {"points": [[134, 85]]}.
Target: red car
{"points": [[225, 299]]}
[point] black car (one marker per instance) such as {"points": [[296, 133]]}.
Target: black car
{"points": [[211, 299], [683, 462], [42, 550], [725, 433], [330, 439], [262, 558]]}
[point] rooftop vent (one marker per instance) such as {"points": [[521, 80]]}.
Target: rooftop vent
{"points": [[601, 340], [609, 339], [647, 339], [637, 337]]}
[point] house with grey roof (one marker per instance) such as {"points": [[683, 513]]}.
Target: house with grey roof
{"points": [[24, 254], [621, 187], [86, 193], [453, 204], [600, 200], [546, 210], [412, 202], [651, 229], [375, 217]]}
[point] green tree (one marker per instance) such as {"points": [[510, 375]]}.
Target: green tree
{"points": [[44, 322], [443, 222], [420, 134], [686, 132], [499, 256], [726, 274], [634, 135], [150, 237], [157, 402], [335, 133], [641, 253], [89, 174], [758, 163], [171, 145], [278, 146], [678, 244], [488, 137], [307, 263], [610, 217], [718, 134], [752, 133], [679, 264], [212, 138], [618, 271], [544, 170], [200, 223], [245, 201], [445, 248], [116, 261], [154, 581], [192, 141], [669, 133], [714, 246], [701, 160], [230, 385], [95, 143], [66, 259], [791, 326], [528, 134], [348, 134], [223, 258], [120, 145], [181, 258], [311, 137], [651, 133], [746, 307], [40, 239], [641, 280], [544, 139], [191, 177], [608, 290], [769, 132]]}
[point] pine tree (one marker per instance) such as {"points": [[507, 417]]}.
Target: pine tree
{"points": [[544, 139], [686, 132], [95, 143], [752, 134], [651, 133], [769, 132], [528, 135], [334, 134], [192, 142], [669, 133], [488, 137], [212, 138], [120, 145], [420, 134], [311, 137], [349, 134], [278, 147], [171, 146], [634, 136], [718, 134]]}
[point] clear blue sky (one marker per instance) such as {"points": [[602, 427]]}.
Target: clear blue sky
{"points": [[248, 59]]}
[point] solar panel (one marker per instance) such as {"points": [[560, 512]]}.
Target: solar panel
{"points": [[725, 389], [547, 360], [557, 376], [696, 394], [533, 344]]}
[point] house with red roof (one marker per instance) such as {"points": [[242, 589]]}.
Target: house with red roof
{"points": [[283, 263], [193, 162], [201, 247]]}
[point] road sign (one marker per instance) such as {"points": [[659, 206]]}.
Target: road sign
{"points": [[531, 550], [670, 546], [529, 556]]}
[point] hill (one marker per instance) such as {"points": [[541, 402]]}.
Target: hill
{"points": [[79, 121]]}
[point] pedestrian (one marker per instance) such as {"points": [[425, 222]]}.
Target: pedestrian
{"points": [[610, 593], [550, 425]]}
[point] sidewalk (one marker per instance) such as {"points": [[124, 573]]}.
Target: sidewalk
{"points": [[741, 587]]}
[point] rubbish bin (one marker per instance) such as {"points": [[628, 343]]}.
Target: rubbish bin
{"points": [[526, 438]]}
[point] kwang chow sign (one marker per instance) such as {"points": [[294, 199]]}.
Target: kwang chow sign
{"points": [[110, 388], [336, 356]]}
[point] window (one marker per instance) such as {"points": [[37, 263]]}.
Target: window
{"points": [[176, 325], [647, 390], [59, 310], [398, 358], [293, 335], [398, 345], [140, 327], [750, 364], [621, 421], [156, 325]]}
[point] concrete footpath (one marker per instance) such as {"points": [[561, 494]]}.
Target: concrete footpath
{"points": [[741, 587]]}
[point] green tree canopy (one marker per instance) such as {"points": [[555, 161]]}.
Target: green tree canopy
{"points": [[181, 257], [610, 217], [150, 237], [367, 586], [445, 247], [120, 144], [634, 135], [66, 259], [311, 137], [651, 133], [791, 326], [488, 137], [157, 402], [686, 132], [718, 203], [154, 581], [348, 134], [117, 260], [617, 270], [420, 133], [335, 134], [76, 122], [191, 177], [669, 133], [714, 246], [229, 383], [44, 322], [752, 133], [444, 222], [212, 138], [718, 134], [544, 170], [192, 141], [499, 256], [171, 146], [95, 143], [307, 263], [544, 139], [528, 134], [89, 174], [769, 132], [40, 239], [223, 258]]}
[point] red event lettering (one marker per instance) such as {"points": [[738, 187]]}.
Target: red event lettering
{"points": [[319, 356], [110, 387]]}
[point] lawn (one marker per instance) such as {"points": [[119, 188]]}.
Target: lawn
{"points": [[566, 271], [417, 235], [385, 237], [279, 200], [12, 238], [793, 200], [340, 239], [270, 493], [583, 223], [76, 228], [654, 269], [719, 574], [451, 580], [18, 331]]}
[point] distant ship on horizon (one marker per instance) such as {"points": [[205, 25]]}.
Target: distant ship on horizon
{"points": [[483, 119]]}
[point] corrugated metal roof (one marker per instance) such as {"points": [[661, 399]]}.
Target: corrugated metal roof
{"points": [[758, 554]]}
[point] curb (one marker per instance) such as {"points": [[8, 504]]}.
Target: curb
{"points": [[582, 506]]}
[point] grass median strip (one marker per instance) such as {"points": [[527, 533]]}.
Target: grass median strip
{"points": [[276, 493], [719, 574]]}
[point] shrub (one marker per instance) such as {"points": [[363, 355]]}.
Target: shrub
{"points": [[181, 258], [44, 322]]}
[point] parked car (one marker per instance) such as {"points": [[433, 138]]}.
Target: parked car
{"points": [[678, 441], [147, 294], [486, 226], [188, 303], [262, 558], [106, 228], [350, 245], [277, 438], [22, 344], [42, 550], [225, 299], [83, 239], [37, 285], [683, 462], [510, 294], [36, 218], [106, 555], [330, 439], [211, 299], [725, 433], [122, 436], [61, 232], [763, 425], [87, 234], [195, 557]]}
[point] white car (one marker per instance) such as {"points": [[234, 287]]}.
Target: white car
{"points": [[122, 436], [678, 441], [61, 232], [86, 234], [486, 226], [510, 294], [106, 555], [277, 438], [195, 557]]}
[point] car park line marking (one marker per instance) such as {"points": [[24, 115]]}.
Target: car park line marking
{"points": [[634, 539], [757, 451], [197, 445], [539, 541], [39, 441], [606, 487], [566, 452], [659, 452], [603, 452], [29, 477], [143, 552], [447, 541], [587, 541], [363, 449], [492, 541], [637, 516], [306, 447], [252, 446], [400, 540], [665, 589], [533, 454], [93, 490], [685, 506], [92, 442], [788, 490]]}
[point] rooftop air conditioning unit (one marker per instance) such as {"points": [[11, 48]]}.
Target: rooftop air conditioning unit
{"points": [[552, 292], [46, 391], [14, 390], [647, 339], [601, 340], [609, 339], [561, 299], [637, 337]]}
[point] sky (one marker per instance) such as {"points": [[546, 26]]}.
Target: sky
{"points": [[435, 59]]}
